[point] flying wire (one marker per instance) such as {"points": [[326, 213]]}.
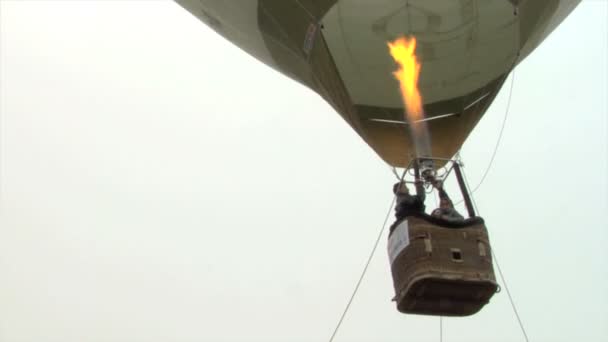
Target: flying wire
{"points": [[369, 260]]}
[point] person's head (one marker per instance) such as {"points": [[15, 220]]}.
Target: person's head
{"points": [[438, 184], [437, 213], [445, 203], [400, 188]]}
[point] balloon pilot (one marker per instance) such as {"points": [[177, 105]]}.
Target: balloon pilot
{"points": [[446, 209], [407, 204]]}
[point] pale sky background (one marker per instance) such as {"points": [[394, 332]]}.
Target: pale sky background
{"points": [[159, 184]]}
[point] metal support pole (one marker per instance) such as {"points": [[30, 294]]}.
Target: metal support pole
{"points": [[418, 182], [464, 190]]}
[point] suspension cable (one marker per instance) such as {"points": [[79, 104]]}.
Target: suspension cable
{"points": [[369, 260]]}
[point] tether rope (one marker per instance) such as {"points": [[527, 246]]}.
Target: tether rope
{"points": [[440, 328], [369, 260], [504, 280]]}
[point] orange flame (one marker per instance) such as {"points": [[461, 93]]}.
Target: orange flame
{"points": [[403, 52]]}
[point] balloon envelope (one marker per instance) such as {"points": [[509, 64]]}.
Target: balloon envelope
{"points": [[338, 48]]}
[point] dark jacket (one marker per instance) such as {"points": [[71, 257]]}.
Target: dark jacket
{"points": [[408, 205]]}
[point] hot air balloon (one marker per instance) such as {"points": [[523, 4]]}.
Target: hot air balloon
{"points": [[467, 48]]}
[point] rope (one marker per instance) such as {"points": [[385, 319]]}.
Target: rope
{"points": [[440, 328], [504, 280], [369, 260], [466, 182], [485, 174], [502, 129], [394, 170], [500, 134]]}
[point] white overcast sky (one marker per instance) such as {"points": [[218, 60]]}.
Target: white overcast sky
{"points": [[158, 184]]}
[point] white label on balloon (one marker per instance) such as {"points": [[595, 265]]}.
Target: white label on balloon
{"points": [[399, 239]]}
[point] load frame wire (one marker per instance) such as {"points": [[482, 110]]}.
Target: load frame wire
{"points": [[369, 260], [502, 276]]}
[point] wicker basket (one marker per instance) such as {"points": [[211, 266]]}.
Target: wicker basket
{"points": [[440, 268]]}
